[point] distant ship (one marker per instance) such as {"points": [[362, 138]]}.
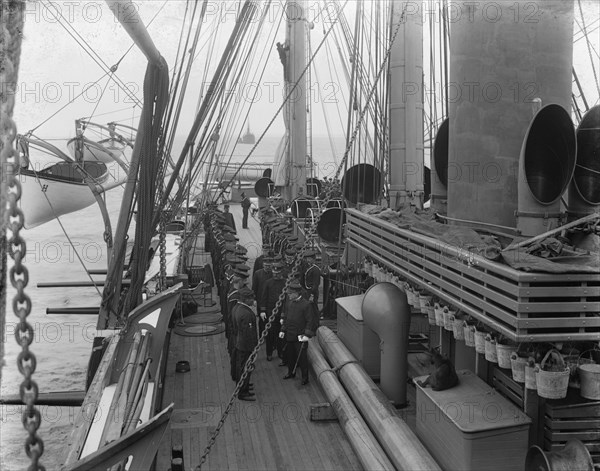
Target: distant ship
{"points": [[247, 138]]}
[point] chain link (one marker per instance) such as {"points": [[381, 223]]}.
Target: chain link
{"points": [[11, 29], [309, 237]]}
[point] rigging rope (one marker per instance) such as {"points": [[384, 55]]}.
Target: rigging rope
{"points": [[299, 257]]}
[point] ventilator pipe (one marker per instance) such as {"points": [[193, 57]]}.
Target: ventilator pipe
{"points": [[362, 183], [364, 444], [573, 457], [385, 311], [439, 169], [264, 187], [546, 167], [584, 189], [329, 224], [402, 446]]}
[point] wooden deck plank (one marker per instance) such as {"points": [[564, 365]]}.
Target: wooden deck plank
{"points": [[225, 387], [274, 432]]}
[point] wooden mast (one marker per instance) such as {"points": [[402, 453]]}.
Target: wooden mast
{"points": [[406, 108], [295, 40]]}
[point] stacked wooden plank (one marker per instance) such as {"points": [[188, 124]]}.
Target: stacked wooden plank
{"points": [[531, 307]]}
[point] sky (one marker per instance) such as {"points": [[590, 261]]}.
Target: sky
{"points": [[55, 67]]}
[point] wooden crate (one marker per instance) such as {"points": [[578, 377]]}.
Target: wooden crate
{"points": [[572, 418], [362, 342], [471, 427], [532, 307], [502, 381]]}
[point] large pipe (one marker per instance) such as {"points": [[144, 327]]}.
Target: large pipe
{"points": [[501, 59], [439, 169], [546, 167], [385, 311], [584, 190], [397, 439], [364, 444]]}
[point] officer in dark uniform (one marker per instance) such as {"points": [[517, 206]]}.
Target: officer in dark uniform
{"points": [[273, 288], [228, 217], [237, 283], [245, 207], [299, 324], [244, 330]]}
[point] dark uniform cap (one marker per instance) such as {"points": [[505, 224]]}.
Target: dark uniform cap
{"points": [[268, 260], [246, 293], [229, 237], [310, 253], [277, 266], [290, 252], [277, 258], [240, 273], [292, 238], [295, 286], [227, 228], [242, 267], [241, 248]]}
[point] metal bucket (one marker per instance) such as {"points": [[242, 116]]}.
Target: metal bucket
{"points": [[589, 377]]}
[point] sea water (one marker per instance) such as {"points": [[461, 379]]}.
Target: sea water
{"points": [[63, 343]]}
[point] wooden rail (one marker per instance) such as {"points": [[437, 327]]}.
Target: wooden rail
{"points": [[522, 306]]}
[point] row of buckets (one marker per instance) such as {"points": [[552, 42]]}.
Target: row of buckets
{"points": [[549, 384]]}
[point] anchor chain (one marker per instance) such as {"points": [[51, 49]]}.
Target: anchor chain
{"points": [[10, 39], [310, 235]]}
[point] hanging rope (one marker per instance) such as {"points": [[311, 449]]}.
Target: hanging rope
{"points": [[310, 235], [11, 34]]}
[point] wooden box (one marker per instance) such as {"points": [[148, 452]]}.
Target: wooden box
{"points": [[322, 411], [362, 342], [472, 427], [522, 306], [572, 418]]}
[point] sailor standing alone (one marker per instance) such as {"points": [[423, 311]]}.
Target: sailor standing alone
{"points": [[246, 203]]}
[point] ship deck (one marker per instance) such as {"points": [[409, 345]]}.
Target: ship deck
{"points": [[275, 432]]}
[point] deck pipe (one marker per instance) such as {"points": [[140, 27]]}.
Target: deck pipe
{"points": [[502, 58], [386, 312], [546, 167], [584, 190], [364, 444], [402, 446]]}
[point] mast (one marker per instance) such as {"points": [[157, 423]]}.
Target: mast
{"points": [[295, 39], [406, 108]]}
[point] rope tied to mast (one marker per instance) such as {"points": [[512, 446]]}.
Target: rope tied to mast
{"points": [[11, 30], [310, 235]]}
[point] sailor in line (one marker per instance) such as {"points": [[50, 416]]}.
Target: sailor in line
{"points": [[244, 331], [270, 295]]}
